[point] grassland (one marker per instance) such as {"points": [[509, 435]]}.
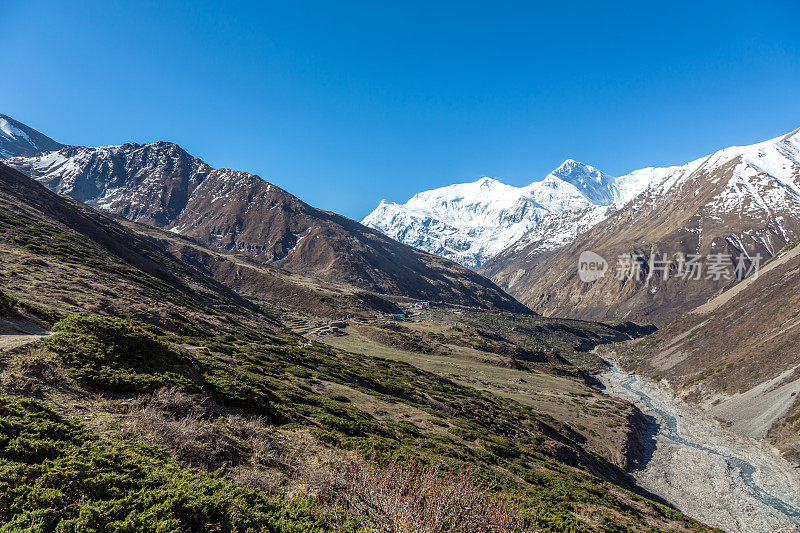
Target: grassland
{"points": [[599, 422]]}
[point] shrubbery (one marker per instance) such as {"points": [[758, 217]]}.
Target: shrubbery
{"points": [[55, 476], [9, 305], [246, 370], [116, 355]]}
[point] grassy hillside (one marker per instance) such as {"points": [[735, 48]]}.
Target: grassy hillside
{"points": [[163, 399]]}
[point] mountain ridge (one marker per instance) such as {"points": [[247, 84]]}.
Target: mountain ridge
{"points": [[738, 200], [17, 138], [472, 222], [237, 212]]}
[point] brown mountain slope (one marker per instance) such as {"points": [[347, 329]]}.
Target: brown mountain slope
{"points": [[738, 355], [66, 255], [741, 200], [228, 210], [266, 284]]}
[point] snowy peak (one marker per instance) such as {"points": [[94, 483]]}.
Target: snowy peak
{"points": [[17, 139], [471, 222], [464, 193], [597, 186], [145, 182], [581, 174], [741, 200]]}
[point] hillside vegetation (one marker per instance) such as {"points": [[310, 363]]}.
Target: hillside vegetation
{"points": [[162, 399]]}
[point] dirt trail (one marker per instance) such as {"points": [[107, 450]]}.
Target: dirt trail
{"points": [[9, 342], [14, 334]]}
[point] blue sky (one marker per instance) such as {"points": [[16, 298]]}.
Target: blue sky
{"points": [[345, 103]]}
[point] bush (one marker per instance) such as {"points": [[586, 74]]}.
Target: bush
{"points": [[416, 499], [116, 355], [10, 305], [195, 430], [56, 476]]}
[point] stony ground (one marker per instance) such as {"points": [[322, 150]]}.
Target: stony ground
{"points": [[704, 485]]}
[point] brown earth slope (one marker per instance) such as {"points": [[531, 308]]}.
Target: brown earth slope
{"points": [[267, 284], [227, 210], [70, 258], [741, 200], [738, 355]]}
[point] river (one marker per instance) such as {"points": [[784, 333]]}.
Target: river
{"points": [[706, 470]]}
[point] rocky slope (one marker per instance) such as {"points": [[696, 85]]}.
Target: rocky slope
{"points": [[471, 222], [736, 355], [66, 255], [700, 464], [740, 201], [236, 212], [18, 139]]}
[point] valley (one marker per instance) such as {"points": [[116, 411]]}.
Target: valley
{"points": [[303, 357], [177, 366], [400, 267], [540, 377]]}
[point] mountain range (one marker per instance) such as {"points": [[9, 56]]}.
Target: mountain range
{"points": [[737, 204], [471, 222], [126, 365], [150, 297], [739, 201], [162, 185]]}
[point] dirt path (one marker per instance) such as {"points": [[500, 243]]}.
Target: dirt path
{"points": [[9, 342], [14, 334], [706, 470]]}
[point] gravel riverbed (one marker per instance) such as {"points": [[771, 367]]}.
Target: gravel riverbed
{"points": [[722, 478]]}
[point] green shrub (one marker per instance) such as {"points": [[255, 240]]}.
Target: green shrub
{"points": [[56, 476], [116, 355], [339, 398], [8, 304]]}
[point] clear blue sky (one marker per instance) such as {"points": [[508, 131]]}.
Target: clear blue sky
{"points": [[345, 103]]}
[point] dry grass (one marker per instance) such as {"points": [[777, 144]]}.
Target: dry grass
{"points": [[397, 499], [35, 261], [40, 364], [415, 499], [200, 434], [66, 298], [28, 371]]}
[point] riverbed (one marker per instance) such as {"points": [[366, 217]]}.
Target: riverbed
{"points": [[722, 478]]}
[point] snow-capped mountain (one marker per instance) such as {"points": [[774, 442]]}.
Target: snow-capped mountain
{"points": [[18, 139], [739, 200], [471, 222], [560, 228], [160, 184], [148, 183]]}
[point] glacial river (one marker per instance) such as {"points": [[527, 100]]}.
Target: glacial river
{"points": [[668, 429]]}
